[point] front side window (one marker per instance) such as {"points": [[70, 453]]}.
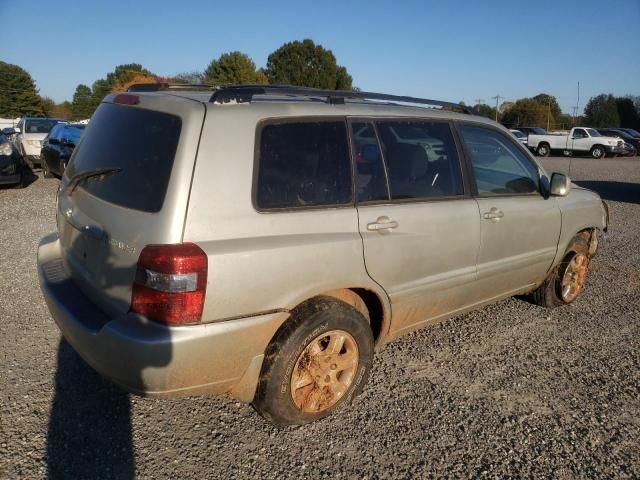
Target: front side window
{"points": [[421, 159], [303, 164], [499, 167]]}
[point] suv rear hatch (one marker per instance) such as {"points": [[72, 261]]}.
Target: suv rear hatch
{"points": [[127, 186]]}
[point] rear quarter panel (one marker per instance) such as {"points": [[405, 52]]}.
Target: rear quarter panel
{"points": [[261, 262]]}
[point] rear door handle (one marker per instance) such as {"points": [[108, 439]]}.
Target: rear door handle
{"points": [[382, 224], [494, 215]]}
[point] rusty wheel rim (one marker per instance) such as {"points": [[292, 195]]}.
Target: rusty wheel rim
{"points": [[574, 277], [324, 371]]}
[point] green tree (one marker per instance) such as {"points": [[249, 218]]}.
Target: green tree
{"points": [[525, 112], [629, 117], [602, 111], [193, 77], [82, 104], [48, 106], [552, 107], [307, 64], [18, 93], [485, 110], [233, 67]]}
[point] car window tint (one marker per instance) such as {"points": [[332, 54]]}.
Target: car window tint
{"points": [[303, 164], [370, 175], [498, 164], [421, 159], [579, 133], [141, 143]]}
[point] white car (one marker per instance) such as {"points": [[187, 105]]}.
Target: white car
{"points": [[522, 137], [31, 133], [579, 140]]}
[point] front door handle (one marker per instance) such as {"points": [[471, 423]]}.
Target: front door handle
{"points": [[382, 224], [494, 215]]}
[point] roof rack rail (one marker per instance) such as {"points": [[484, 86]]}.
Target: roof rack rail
{"points": [[245, 93], [156, 87]]}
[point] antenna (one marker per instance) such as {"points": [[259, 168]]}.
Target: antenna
{"points": [[574, 124]]}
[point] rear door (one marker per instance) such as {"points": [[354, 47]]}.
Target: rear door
{"points": [[519, 227], [419, 225], [104, 221]]}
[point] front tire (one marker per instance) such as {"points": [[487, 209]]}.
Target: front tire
{"points": [[543, 150], [597, 152], [318, 361], [566, 281], [46, 171]]}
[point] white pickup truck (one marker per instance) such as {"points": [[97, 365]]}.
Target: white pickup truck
{"points": [[579, 140]]}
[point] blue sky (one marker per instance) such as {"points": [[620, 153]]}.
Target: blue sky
{"points": [[450, 50]]}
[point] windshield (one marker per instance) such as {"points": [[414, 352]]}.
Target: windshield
{"points": [[72, 133], [593, 132], [518, 134], [39, 125], [633, 132]]}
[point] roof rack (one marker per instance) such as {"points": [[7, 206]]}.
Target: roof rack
{"points": [[245, 94], [156, 87]]}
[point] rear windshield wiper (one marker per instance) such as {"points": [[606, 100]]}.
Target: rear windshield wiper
{"points": [[98, 172]]}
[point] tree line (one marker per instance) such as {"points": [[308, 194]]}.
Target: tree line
{"points": [[301, 63], [543, 110]]}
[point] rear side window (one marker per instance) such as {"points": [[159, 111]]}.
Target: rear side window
{"points": [[141, 143], [303, 164], [422, 160]]}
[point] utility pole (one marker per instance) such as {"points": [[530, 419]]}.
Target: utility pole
{"points": [[548, 112], [497, 97], [479, 101], [577, 104]]}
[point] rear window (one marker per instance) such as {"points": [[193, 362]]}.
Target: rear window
{"points": [[303, 164], [142, 143]]}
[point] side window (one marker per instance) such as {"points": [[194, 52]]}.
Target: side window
{"points": [[421, 159], [303, 164], [579, 133], [370, 175], [498, 164]]}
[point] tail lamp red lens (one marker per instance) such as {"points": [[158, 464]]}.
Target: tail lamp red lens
{"points": [[170, 284]]}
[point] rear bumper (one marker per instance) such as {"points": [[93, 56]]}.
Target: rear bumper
{"points": [[151, 359]]}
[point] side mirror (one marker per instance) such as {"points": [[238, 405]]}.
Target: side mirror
{"points": [[9, 131], [17, 129], [560, 185]]}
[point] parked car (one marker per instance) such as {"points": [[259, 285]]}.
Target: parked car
{"points": [[579, 140], [522, 137], [11, 172], [31, 133], [9, 133], [533, 130], [622, 135], [58, 146], [631, 131], [262, 241]]}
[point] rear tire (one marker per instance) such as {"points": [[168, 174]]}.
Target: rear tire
{"points": [[566, 281], [317, 362], [597, 152], [543, 150]]}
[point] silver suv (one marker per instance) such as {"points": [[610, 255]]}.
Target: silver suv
{"points": [[263, 241]]}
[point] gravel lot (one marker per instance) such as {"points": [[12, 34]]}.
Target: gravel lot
{"points": [[511, 390]]}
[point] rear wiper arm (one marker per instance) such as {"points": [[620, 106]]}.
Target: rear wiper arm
{"points": [[98, 172]]}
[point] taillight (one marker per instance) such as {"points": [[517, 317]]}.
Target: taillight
{"points": [[126, 99], [170, 284]]}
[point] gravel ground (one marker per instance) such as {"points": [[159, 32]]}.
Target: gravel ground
{"points": [[511, 390]]}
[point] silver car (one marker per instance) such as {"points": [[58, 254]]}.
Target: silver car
{"points": [[263, 241]]}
